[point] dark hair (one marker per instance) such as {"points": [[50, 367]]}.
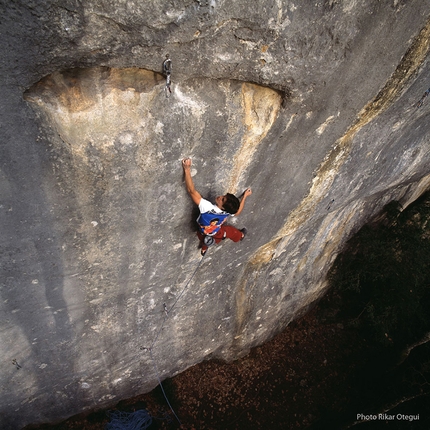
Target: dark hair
{"points": [[231, 205]]}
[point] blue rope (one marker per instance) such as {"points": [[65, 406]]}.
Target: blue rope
{"points": [[158, 333], [154, 363], [139, 420]]}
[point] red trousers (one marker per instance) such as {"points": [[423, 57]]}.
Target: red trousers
{"points": [[225, 232]]}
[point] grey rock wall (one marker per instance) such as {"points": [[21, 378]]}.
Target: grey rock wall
{"points": [[309, 103]]}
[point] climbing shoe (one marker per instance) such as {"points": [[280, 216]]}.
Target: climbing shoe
{"points": [[244, 231]]}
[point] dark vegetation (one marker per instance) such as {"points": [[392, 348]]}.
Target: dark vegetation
{"points": [[365, 348], [384, 277], [381, 289]]}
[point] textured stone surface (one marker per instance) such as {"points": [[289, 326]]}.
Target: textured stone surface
{"points": [[309, 104]]}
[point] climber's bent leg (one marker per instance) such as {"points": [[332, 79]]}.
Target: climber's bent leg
{"points": [[231, 233]]}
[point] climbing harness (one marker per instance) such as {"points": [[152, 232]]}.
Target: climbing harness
{"points": [[167, 69], [421, 101], [167, 311]]}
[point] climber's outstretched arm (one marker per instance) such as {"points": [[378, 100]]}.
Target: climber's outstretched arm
{"points": [[247, 193], [195, 195]]}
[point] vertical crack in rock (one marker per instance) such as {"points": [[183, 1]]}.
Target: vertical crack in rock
{"points": [[261, 107], [408, 66]]}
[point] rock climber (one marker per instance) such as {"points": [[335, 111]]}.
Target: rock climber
{"points": [[212, 216]]}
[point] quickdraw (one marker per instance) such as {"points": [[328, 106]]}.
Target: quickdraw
{"points": [[167, 69]]}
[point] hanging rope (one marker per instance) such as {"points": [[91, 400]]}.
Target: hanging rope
{"points": [[167, 311], [150, 349]]}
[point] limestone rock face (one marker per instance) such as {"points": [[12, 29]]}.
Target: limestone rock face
{"points": [[313, 106]]}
